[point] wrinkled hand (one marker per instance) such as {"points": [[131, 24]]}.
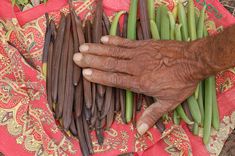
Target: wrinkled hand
{"points": [[165, 70]]}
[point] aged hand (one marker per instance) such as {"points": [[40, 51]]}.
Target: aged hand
{"points": [[166, 70]]}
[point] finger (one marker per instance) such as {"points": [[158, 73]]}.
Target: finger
{"points": [[106, 50], [108, 64], [122, 42], [117, 80], [151, 116]]}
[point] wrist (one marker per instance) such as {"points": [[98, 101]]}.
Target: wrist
{"points": [[199, 53], [215, 53]]}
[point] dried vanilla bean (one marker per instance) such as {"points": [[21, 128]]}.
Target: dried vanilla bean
{"points": [[139, 102], [110, 115], [69, 88], [96, 36], [79, 95], [99, 132], [106, 22], [134, 110], [87, 134], [123, 105], [107, 102], [89, 88], [94, 115], [56, 57], [49, 76], [144, 19], [77, 70], [81, 136], [47, 42], [87, 113], [72, 127], [99, 102], [117, 100], [63, 69]]}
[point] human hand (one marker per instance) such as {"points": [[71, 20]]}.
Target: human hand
{"points": [[166, 70]]}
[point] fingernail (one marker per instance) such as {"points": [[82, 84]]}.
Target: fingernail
{"points": [[83, 48], [87, 72], [104, 39], [77, 57], [142, 128]]}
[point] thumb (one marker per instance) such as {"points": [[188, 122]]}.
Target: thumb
{"points": [[151, 116]]}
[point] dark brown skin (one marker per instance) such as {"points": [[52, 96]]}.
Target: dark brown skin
{"points": [[166, 70], [159, 124], [143, 33]]}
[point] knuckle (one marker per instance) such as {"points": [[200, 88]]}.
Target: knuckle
{"points": [[87, 60], [110, 64], [144, 85], [115, 51], [116, 39], [128, 42], [115, 79], [133, 85], [123, 41]]}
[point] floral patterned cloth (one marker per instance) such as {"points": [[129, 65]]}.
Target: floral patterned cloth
{"points": [[229, 5], [27, 125]]}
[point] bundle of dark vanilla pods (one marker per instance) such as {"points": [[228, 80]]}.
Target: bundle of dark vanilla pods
{"points": [[79, 105]]}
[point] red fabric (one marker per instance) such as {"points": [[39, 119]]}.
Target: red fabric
{"points": [[6, 10], [50, 6], [41, 125], [217, 12]]}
